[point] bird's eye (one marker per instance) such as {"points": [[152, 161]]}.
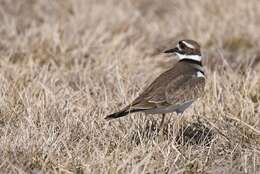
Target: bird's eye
{"points": [[182, 45]]}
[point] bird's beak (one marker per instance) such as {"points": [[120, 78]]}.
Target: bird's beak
{"points": [[173, 50]]}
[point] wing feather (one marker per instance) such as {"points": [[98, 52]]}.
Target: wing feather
{"points": [[171, 88], [187, 88]]}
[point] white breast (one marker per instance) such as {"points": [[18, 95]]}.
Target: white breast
{"points": [[200, 74]]}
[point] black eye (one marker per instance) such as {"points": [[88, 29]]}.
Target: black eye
{"points": [[182, 45]]}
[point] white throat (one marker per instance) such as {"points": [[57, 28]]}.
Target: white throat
{"points": [[191, 57]]}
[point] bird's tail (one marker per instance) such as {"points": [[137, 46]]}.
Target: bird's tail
{"points": [[122, 113]]}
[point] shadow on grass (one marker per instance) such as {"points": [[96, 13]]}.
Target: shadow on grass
{"points": [[194, 133]]}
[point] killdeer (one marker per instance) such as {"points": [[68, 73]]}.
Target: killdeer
{"points": [[174, 90]]}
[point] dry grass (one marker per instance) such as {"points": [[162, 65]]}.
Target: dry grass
{"points": [[65, 65]]}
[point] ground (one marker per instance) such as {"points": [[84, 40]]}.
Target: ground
{"points": [[65, 65]]}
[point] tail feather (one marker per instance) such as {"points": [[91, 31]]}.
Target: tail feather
{"points": [[122, 113]]}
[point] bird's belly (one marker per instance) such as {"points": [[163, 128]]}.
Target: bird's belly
{"points": [[176, 108]]}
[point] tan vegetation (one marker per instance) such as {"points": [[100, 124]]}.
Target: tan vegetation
{"points": [[65, 65]]}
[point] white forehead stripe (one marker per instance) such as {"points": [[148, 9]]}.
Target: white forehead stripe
{"points": [[200, 74], [178, 46], [188, 45], [191, 57]]}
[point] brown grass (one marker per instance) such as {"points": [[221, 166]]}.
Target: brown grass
{"points": [[65, 65]]}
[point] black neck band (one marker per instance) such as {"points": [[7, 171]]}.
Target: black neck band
{"points": [[191, 61]]}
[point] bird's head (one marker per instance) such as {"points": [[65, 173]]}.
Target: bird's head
{"points": [[186, 49]]}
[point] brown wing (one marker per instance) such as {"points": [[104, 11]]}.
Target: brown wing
{"points": [[172, 87], [154, 94], [187, 88]]}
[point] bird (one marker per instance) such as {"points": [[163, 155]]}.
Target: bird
{"points": [[175, 89]]}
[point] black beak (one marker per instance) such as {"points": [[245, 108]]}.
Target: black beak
{"points": [[173, 50]]}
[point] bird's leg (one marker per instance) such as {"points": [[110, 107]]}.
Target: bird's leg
{"points": [[163, 117]]}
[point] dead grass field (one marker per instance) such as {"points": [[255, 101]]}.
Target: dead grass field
{"points": [[65, 65]]}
